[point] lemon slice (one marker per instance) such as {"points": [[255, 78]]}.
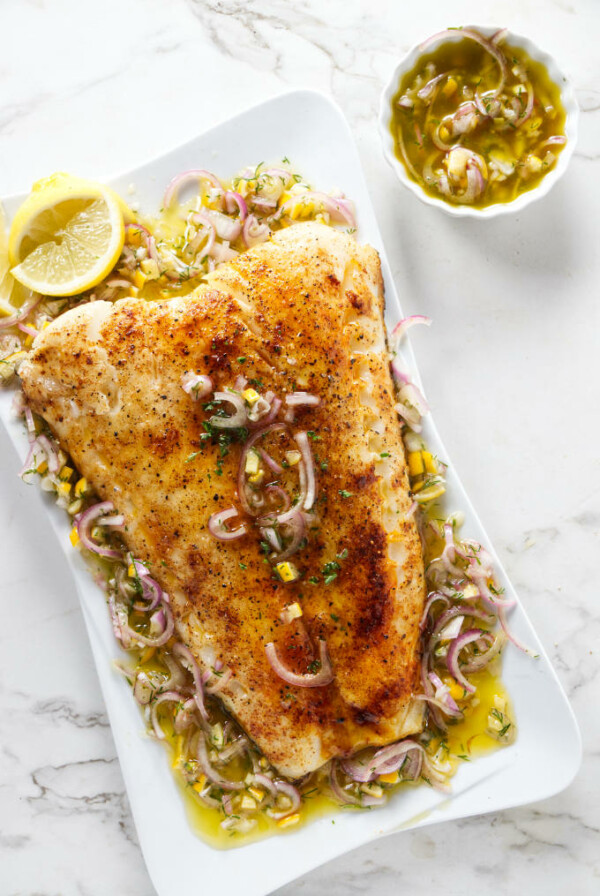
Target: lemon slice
{"points": [[67, 236], [12, 294]]}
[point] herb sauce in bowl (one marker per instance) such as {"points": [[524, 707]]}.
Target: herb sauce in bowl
{"points": [[476, 121]]}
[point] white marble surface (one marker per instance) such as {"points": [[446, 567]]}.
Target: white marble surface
{"points": [[511, 367]]}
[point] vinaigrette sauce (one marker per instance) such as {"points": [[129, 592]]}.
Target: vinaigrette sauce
{"points": [[471, 68]]}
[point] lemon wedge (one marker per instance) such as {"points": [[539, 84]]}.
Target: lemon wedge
{"points": [[12, 294], [67, 236]]}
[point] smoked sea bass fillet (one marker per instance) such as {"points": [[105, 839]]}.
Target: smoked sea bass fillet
{"points": [[302, 312]]}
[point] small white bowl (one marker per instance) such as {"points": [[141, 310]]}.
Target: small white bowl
{"points": [[501, 208]]}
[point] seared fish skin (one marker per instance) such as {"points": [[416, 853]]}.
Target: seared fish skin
{"points": [[301, 312]]}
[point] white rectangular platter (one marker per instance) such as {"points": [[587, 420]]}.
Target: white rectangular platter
{"points": [[311, 131]]}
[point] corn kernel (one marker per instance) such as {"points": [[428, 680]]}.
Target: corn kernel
{"points": [[256, 478], [81, 487], [390, 778], [289, 820], [66, 473], [415, 463], [449, 87], [286, 571], [293, 457], [139, 278], [64, 488], [250, 395], [131, 571], [456, 691], [430, 464], [74, 536], [42, 468]]}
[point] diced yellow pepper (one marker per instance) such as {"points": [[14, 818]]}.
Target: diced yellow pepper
{"points": [[45, 324], [66, 473], [74, 536], [415, 463], [133, 292], [29, 341], [139, 278], [255, 478], [417, 486], [430, 464], [252, 465], [289, 820], [251, 396], [293, 611], [257, 794], [293, 457], [42, 468], [247, 802], [81, 487], [286, 571], [64, 488], [131, 571], [390, 778]]}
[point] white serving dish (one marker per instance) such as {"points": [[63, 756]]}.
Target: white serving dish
{"points": [[311, 131], [501, 208]]}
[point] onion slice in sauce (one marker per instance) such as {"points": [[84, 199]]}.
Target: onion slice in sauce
{"points": [[307, 680]]}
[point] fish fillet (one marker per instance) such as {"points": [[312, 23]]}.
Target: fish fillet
{"points": [[303, 311]]}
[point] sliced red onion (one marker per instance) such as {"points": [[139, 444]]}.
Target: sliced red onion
{"points": [[557, 139], [187, 660], [528, 109], [307, 680], [222, 252], [242, 496], [240, 418], [433, 598], [186, 177], [207, 232], [270, 461], [442, 693], [513, 638], [28, 329], [409, 415], [407, 322], [162, 626], [271, 537], [468, 637], [226, 228], [302, 399], [84, 525], [494, 647], [255, 231], [119, 283], [51, 453], [344, 796], [216, 525], [265, 419], [426, 92], [273, 489], [165, 697], [309, 469], [465, 119], [296, 525], [234, 201], [222, 679], [210, 772], [292, 793], [23, 312], [435, 134], [196, 385], [478, 38], [143, 689], [441, 705]]}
